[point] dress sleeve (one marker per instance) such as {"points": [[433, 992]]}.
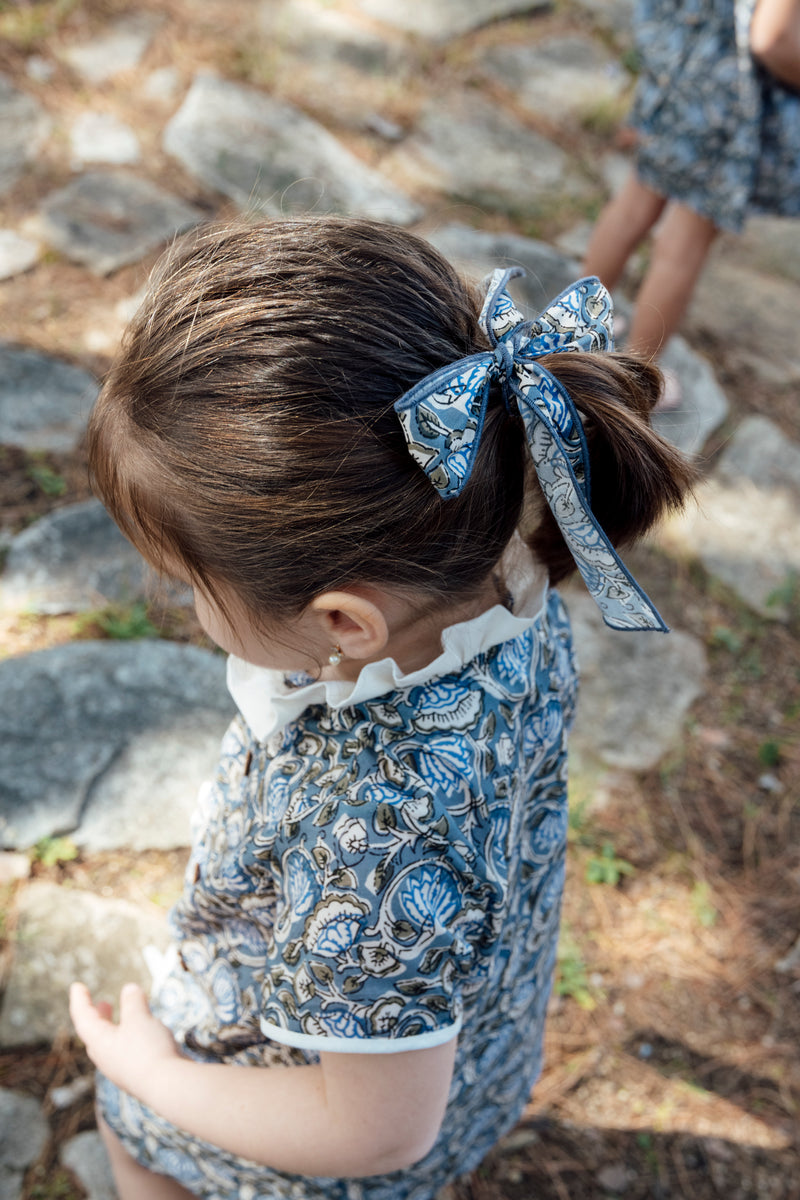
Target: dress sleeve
{"points": [[371, 939]]}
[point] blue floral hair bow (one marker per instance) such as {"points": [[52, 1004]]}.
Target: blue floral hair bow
{"points": [[442, 418]]}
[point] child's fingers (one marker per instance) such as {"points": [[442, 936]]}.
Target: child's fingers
{"points": [[132, 1002], [81, 1009]]}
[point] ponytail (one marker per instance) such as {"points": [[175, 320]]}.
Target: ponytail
{"points": [[637, 476]]}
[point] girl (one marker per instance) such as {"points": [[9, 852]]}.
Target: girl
{"points": [[316, 425], [719, 137]]}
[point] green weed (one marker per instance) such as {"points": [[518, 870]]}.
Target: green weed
{"points": [[50, 851], [769, 753], [45, 478], [606, 867], [571, 975], [703, 910], [121, 622]]}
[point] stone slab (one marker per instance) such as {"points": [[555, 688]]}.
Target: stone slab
{"points": [[563, 78], [323, 34], [105, 220], [74, 560], [120, 47], [23, 126], [44, 402], [64, 934], [23, 1130], [636, 688], [268, 156], [477, 252], [85, 1155], [446, 19], [704, 405], [768, 244], [745, 528], [17, 253], [97, 137], [754, 314], [75, 720], [616, 15], [470, 149]]}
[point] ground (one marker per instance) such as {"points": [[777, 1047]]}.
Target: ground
{"points": [[673, 1067]]}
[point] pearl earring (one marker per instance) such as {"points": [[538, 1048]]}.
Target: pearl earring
{"points": [[335, 656]]}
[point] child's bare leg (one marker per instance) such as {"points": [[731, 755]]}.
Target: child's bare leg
{"points": [[135, 1182], [679, 254], [621, 226]]}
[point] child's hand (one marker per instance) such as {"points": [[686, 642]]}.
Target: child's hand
{"points": [[129, 1053]]}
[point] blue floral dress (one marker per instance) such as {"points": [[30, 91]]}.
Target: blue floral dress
{"points": [[717, 132], [378, 867]]}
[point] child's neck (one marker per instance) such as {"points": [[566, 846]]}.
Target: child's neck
{"points": [[414, 640]]}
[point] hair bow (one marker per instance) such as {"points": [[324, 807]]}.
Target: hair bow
{"points": [[442, 418]]}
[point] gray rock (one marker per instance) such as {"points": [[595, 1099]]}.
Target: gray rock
{"points": [[616, 15], [101, 138], [119, 48], [39, 69], [323, 35], [23, 1134], [13, 867], [85, 1155], [23, 126], [469, 148], [161, 85], [768, 244], [73, 560], [754, 314], [447, 19], [107, 219], [636, 688], [17, 254], [268, 156], [74, 719], [64, 934], [745, 528], [44, 402], [704, 406], [561, 77], [477, 253]]}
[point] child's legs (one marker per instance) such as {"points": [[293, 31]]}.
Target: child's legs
{"points": [[622, 224], [135, 1182], [679, 254]]}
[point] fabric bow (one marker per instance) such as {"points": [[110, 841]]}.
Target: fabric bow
{"points": [[442, 418]]}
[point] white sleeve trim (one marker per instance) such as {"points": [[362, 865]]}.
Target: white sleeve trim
{"points": [[374, 1045]]}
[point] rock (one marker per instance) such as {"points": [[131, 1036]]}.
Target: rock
{"points": [[17, 254], [13, 867], [447, 19], [161, 85], [469, 148], [44, 402], [120, 48], [23, 127], [754, 315], [614, 1178], [73, 560], [101, 138], [39, 69], [107, 219], [745, 528], [76, 718], [704, 405], [616, 15], [85, 1155], [64, 934], [23, 1134], [268, 156], [562, 77], [477, 253], [69, 1093], [767, 244], [323, 35], [636, 688]]}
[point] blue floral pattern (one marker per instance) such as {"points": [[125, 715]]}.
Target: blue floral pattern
{"points": [[375, 873], [717, 132], [442, 418]]}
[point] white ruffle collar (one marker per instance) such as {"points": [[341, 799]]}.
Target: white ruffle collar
{"points": [[268, 703]]}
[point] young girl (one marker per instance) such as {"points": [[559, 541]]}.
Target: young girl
{"points": [[718, 121], [370, 483]]}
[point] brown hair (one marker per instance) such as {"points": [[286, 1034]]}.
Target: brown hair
{"points": [[246, 431]]}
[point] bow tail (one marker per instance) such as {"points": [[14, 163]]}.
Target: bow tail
{"points": [[622, 602]]}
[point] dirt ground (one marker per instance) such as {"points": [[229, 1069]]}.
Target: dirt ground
{"points": [[673, 1048]]}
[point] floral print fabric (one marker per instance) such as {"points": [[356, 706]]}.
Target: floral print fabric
{"points": [[376, 877], [717, 133]]}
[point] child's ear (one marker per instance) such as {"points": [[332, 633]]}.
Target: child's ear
{"points": [[354, 622]]}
